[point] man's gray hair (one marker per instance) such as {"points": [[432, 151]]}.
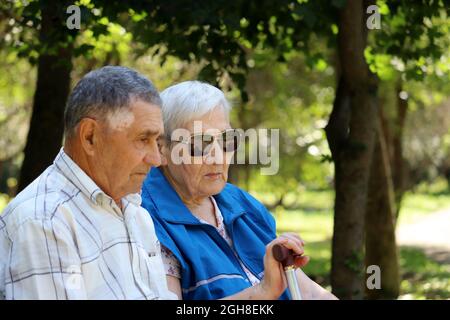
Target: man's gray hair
{"points": [[190, 100], [104, 91]]}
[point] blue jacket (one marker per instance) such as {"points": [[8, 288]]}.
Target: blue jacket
{"points": [[209, 267]]}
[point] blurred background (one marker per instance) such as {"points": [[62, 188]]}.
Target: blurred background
{"points": [[360, 91]]}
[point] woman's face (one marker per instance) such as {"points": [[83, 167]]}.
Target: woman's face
{"points": [[205, 175]]}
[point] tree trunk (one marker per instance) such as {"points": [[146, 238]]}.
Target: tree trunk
{"points": [[447, 175], [52, 89], [350, 133], [381, 247], [397, 141]]}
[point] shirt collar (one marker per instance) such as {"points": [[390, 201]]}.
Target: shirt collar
{"points": [[134, 198], [84, 183], [172, 209], [217, 212]]}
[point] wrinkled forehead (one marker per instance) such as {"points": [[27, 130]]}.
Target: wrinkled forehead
{"points": [[120, 120], [141, 116]]}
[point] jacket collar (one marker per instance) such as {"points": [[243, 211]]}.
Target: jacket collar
{"points": [[172, 209]]}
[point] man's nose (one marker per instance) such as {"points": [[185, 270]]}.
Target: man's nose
{"points": [[153, 156]]}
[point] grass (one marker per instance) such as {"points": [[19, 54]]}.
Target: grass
{"points": [[422, 278], [426, 199], [417, 205]]}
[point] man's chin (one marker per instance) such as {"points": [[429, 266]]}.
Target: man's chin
{"points": [[136, 181]]}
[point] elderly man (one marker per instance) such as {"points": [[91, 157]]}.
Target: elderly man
{"points": [[78, 231]]}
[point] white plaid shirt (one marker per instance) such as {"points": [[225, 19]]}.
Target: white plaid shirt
{"points": [[64, 238]]}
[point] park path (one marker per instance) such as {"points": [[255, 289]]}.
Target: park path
{"points": [[431, 233]]}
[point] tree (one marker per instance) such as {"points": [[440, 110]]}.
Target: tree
{"points": [[47, 41], [380, 244], [351, 132], [53, 82], [411, 34]]}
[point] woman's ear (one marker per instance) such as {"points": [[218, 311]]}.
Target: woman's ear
{"points": [[88, 133]]}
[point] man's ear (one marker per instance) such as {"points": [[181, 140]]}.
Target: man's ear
{"points": [[88, 133]]}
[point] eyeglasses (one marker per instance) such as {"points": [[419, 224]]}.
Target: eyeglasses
{"points": [[201, 144]]}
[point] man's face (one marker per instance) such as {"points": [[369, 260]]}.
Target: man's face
{"points": [[128, 148]]}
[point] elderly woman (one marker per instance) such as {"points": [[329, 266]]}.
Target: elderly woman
{"points": [[216, 239]]}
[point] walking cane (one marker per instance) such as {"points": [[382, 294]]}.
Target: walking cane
{"points": [[287, 257]]}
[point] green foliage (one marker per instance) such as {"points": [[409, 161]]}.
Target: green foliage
{"points": [[286, 96], [25, 21], [237, 45], [220, 34], [413, 35], [16, 84]]}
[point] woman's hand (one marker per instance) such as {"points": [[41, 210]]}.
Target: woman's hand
{"points": [[274, 283]]}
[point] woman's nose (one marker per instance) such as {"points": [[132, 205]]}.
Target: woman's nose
{"points": [[216, 155]]}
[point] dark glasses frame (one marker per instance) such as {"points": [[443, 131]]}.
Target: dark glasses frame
{"points": [[229, 140]]}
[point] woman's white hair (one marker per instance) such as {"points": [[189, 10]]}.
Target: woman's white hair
{"points": [[190, 100]]}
